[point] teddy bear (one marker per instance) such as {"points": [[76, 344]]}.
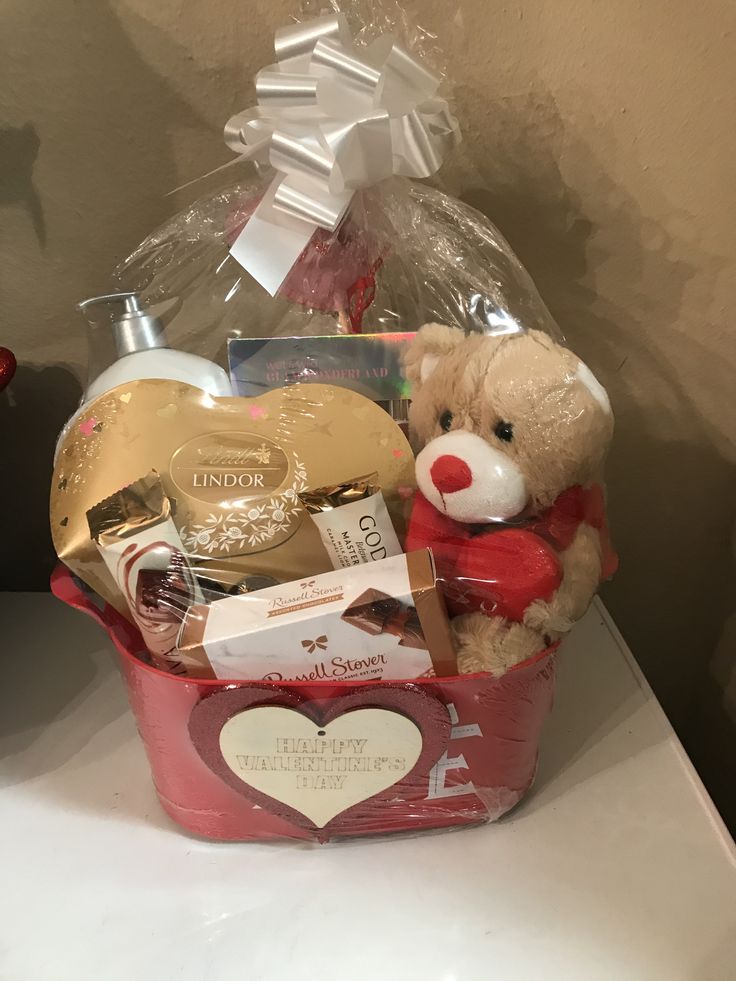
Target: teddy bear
{"points": [[510, 434]]}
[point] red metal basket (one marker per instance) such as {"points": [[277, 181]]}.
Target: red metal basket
{"points": [[480, 741]]}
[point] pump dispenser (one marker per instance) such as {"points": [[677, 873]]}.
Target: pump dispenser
{"points": [[142, 352]]}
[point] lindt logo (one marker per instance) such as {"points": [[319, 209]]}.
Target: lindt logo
{"points": [[249, 465], [222, 467], [221, 457]]}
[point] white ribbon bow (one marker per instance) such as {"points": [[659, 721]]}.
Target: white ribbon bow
{"points": [[331, 122]]}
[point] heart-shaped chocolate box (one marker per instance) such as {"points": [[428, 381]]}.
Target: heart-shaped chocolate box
{"points": [[233, 468]]}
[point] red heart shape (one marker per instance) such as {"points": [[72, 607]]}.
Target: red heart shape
{"points": [[8, 364], [500, 573], [423, 709]]}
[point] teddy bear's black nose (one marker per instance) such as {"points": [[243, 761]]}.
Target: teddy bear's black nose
{"points": [[450, 474]]}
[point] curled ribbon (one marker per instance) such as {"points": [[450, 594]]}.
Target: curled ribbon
{"points": [[331, 121]]}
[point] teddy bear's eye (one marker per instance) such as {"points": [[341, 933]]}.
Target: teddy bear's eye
{"points": [[446, 421], [504, 431]]}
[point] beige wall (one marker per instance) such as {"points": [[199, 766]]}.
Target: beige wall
{"points": [[600, 140]]}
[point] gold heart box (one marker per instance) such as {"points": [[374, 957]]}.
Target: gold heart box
{"points": [[233, 469]]}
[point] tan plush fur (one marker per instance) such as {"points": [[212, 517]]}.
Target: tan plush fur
{"points": [[562, 429], [492, 644], [581, 573]]}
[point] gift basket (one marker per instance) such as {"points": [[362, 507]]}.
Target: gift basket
{"points": [[334, 487]]}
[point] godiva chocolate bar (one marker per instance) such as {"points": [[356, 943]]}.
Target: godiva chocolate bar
{"points": [[353, 521], [380, 620]]}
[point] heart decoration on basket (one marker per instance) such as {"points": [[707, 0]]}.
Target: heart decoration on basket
{"points": [[321, 764]]}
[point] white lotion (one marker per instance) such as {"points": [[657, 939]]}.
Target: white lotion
{"points": [[143, 352]]}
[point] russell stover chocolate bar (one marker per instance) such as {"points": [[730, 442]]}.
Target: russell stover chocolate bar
{"points": [[141, 547], [353, 521], [379, 620]]}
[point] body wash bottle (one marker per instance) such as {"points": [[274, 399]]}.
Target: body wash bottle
{"points": [[142, 352]]}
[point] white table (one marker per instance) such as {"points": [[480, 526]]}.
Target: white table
{"points": [[617, 867]]}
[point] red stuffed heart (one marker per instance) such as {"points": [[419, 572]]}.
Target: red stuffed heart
{"points": [[8, 365], [497, 570], [501, 572]]}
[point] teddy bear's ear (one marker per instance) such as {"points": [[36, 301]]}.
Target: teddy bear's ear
{"points": [[582, 371], [586, 376], [425, 352]]}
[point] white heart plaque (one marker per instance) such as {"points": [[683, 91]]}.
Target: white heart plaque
{"points": [[320, 770]]}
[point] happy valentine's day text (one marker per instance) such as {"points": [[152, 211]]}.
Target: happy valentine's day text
{"points": [[321, 756]]}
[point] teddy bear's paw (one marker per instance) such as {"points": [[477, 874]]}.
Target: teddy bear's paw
{"points": [[492, 644], [546, 619]]}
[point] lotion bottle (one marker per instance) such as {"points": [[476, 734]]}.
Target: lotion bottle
{"points": [[143, 352]]}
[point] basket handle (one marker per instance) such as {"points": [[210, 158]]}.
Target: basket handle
{"points": [[66, 587]]}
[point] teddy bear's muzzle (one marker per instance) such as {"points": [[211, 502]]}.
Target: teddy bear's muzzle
{"points": [[469, 480]]}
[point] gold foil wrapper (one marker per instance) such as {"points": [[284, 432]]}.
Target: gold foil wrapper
{"points": [[353, 521], [336, 495], [141, 505]]}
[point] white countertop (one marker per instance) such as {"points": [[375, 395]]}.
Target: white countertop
{"points": [[617, 867]]}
